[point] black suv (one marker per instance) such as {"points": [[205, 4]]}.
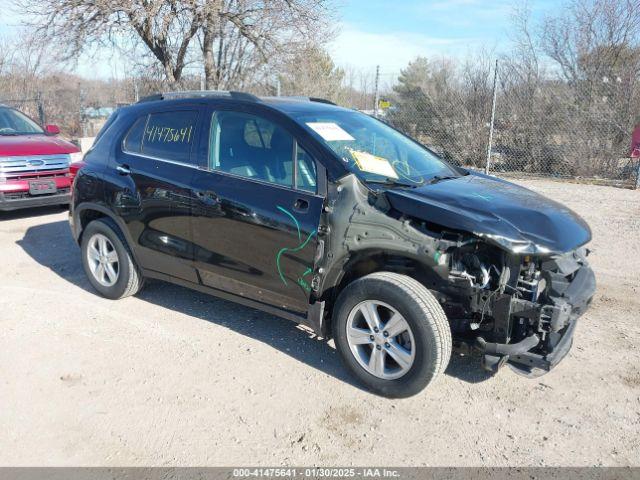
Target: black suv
{"points": [[330, 218]]}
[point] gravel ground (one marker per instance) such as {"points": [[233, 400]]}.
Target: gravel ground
{"points": [[175, 377]]}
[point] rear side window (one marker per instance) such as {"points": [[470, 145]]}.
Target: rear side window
{"points": [[133, 140], [170, 135], [166, 135]]}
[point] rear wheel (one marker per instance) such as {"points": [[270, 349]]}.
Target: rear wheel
{"points": [[391, 333], [108, 262]]}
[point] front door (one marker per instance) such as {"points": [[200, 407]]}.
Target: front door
{"points": [[256, 212]]}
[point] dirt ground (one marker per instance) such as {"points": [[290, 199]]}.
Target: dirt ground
{"points": [[175, 377]]}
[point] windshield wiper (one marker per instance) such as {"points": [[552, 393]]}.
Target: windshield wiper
{"points": [[9, 134], [439, 178], [392, 182]]}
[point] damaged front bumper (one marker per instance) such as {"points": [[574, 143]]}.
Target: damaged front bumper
{"points": [[550, 326]]}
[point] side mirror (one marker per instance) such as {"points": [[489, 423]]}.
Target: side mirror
{"points": [[52, 129]]}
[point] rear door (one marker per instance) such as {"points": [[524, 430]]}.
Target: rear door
{"points": [[257, 206], [155, 166]]}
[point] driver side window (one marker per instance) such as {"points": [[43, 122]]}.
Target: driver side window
{"points": [[256, 148]]}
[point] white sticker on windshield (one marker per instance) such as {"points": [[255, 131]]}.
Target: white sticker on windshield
{"points": [[330, 131]]}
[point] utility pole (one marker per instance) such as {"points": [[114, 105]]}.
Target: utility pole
{"points": [[493, 117], [40, 107], [136, 93], [82, 114], [376, 95], [278, 86]]}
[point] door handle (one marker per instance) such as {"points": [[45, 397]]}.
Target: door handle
{"points": [[207, 196], [301, 205], [123, 169]]}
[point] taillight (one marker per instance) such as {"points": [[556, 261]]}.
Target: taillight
{"points": [[74, 168]]}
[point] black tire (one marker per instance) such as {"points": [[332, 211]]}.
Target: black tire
{"points": [[130, 279], [425, 317]]}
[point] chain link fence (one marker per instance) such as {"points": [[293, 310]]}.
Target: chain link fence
{"points": [[492, 119], [78, 110], [34, 107], [60, 106], [510, 128]]}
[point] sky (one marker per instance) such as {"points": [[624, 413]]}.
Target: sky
{"points": [[389, 33]]}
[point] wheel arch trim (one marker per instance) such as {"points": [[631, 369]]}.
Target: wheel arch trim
{"points": [[77, 228]]}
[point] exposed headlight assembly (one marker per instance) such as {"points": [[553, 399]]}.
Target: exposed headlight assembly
{"points": [[516, 246]]}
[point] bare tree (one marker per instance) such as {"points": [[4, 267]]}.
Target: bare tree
{"points": [[590, 38], [358, 88], [446, 105], [239, 37], [595, 45], [229, 57], [312, 73], [5, 55], [165, 27], [21, 66]]}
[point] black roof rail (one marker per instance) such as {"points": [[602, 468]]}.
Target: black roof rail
{"points": [[302, 98], [244, 96], [151, 98], [200, 94], [321, 100]]}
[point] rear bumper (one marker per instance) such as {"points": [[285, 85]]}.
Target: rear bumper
{"points": [[558, 322], [14, 202]]}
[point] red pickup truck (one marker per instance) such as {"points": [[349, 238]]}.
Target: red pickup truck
{"points": [[35, 165]]}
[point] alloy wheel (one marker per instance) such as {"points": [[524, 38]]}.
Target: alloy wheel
{"points": [[103, 260], [380, 339]]}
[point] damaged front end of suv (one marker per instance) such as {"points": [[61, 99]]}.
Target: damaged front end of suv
{"points": [[518, 308], [508, 266]]}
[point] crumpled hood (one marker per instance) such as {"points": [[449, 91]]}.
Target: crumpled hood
{"points": [[20, 145], [512, 216]]}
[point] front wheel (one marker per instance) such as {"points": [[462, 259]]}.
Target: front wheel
{"points": [[391, 333]]}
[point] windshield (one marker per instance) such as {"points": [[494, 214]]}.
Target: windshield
{"points": [[374, 151], [13, 122]]}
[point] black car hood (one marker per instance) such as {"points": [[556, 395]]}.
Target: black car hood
{"points": [[514, 217]]}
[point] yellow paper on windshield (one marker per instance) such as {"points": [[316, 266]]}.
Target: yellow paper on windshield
{"points": [[373, 164]]}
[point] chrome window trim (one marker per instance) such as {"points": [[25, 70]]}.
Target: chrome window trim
{"points": [[165, 160], [261, 182], [227, 174], [220, 172]]}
